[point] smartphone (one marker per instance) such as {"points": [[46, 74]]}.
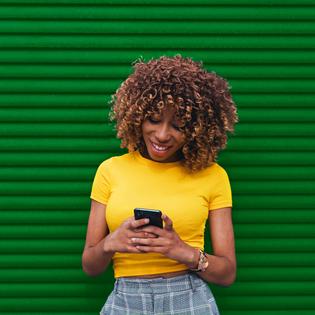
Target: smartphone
{"points": [[155, 216]]}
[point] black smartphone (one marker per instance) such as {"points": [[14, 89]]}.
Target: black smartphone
{"points": [[155, 216]]}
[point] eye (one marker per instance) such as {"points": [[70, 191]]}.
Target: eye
{"points": [[153, 120], [178, 126]]}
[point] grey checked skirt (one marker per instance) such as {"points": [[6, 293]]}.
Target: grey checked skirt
{"points": [[183, 295]]}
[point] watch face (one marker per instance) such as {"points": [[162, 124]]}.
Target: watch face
{"points": [[203, 261], [204, 266]]}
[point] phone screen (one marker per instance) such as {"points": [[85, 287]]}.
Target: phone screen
{"points": [[155, 216]]}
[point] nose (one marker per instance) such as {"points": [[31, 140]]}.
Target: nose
{"points": [[162, 133]]}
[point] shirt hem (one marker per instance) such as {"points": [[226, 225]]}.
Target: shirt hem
{"points": [[221, 205], [135, 274], [99, 200]]}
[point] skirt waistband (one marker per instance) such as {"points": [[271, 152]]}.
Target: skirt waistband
{"points": [[158, 285]]}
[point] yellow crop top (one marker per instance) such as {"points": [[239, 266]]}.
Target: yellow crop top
{"points": [[125, 182]]}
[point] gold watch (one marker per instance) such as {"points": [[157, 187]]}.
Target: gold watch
{"points": [[202, 262]]}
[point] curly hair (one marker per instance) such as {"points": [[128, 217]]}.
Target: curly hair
{"points": [[202, 102]]}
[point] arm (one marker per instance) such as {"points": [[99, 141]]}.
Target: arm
{"points": [[94, 258], [222, 264], [100, 245]]}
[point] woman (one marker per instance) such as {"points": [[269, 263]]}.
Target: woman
{"points": [[173, 116]]}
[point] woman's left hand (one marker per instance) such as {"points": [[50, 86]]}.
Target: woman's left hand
{"points": [[167, 243]]}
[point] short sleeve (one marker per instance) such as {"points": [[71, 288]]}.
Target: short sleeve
{"points": [[101, 187], [221, 196]]}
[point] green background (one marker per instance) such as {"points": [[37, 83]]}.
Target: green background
{"points": [[59, 63]]}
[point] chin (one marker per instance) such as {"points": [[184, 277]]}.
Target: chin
{"points": [[166, 159]]}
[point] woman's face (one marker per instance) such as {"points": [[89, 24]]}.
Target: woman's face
{"points": [[162, 137]]}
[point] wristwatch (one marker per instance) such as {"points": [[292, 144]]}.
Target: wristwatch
{"points": [[202, 263]]}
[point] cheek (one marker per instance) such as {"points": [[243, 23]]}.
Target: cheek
{"points": [[147, 130], [144, 129]]}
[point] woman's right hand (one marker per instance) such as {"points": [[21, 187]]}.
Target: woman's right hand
{"points": [[120, 240]]}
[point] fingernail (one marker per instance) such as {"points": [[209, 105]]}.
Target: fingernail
{"points": [[146, 220], [133, 239]]}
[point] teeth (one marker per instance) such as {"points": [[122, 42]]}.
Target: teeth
{"points": [[158, 147]]}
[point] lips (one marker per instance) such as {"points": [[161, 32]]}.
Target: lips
{"points": [[159, 148]]}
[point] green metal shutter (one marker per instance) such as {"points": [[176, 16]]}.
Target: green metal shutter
{"points": [[59, 63]]}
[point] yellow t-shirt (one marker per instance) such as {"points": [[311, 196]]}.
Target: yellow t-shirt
{"points": [[129, 181]]}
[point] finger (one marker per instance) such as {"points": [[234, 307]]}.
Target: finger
{"points": [[134, 224], [168, 222], [143, 234], [145, 241], [150, 235], [153, 230], [149, 249], [128, 221], [132, 249]]}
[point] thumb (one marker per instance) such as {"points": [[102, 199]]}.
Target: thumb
{"points": [[168, 222]]}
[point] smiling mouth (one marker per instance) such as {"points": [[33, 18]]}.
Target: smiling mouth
{"points": [[159, 147]]}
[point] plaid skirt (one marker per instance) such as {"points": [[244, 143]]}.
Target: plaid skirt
{"points": [[183, 295]]}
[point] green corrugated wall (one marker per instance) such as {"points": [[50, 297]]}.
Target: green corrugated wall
{"points": [[59, 63]]}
